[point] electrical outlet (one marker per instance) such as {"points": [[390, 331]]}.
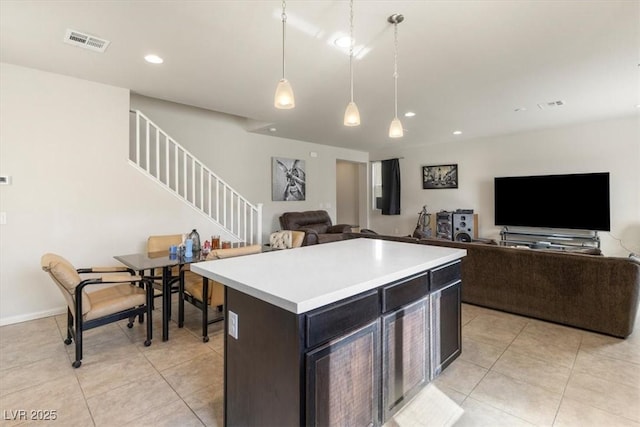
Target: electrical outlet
{"points": [[233, 324]]}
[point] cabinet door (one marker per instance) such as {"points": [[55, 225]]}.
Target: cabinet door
{"points": [[405, 355], [445, 330], [343, 380]]}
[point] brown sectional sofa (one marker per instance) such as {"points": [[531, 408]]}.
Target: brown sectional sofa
{"points": [[596, 293]]}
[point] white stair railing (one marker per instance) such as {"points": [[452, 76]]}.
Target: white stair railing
{"points": [[162, 159]]}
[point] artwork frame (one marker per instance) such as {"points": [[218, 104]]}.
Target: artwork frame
{"points": [[439, 177], [288, 179]]}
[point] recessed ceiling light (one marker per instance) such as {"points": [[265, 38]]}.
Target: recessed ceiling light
{"points": [[457, 132], [344, 41], [153, 59], [409, 114], [272, 129], [519, 109]]}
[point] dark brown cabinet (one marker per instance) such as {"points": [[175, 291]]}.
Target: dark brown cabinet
{"points": [[343, 380]]}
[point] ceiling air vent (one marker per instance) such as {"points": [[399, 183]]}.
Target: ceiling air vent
{"points": [[76, 38], [551, 104]]}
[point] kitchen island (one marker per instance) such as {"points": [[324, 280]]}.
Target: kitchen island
{"points": [[342, 333]]}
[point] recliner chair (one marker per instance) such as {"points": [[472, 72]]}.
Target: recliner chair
{"points": [[316, 225]]}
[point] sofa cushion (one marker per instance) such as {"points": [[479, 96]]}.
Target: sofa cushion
{"points": [[297, 220]]}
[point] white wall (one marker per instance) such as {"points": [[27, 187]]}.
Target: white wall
{"points": [[64, 142], [605, 146], [243, 159]]}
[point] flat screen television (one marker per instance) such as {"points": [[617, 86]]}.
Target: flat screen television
{"points": [[572, 201]]}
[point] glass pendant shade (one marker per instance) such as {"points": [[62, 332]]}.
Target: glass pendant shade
{"points": [[284, 99], [395, 130], [352, 115]]}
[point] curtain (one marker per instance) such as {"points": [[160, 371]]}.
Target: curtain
{"points": [[390, 187]]}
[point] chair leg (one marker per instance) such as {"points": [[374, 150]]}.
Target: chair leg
{"points": [[69, 326], [78, 322], [205, 309], [181, 301], [149, 288]]}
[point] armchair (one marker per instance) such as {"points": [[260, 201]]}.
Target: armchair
{"points": [[128, 296], [195, 288], [316, 225]]}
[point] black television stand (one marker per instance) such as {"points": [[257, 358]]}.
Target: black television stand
{"points": [[549, 239]]}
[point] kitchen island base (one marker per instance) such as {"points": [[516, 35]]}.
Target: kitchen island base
{"points": [[353, 362]]}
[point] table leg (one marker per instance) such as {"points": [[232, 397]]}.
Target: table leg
{"points": [[205, 309], [181, 299], [166, 301]]}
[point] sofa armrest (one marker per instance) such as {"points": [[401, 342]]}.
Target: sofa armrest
{"points": [[339, 228], [310, 236]]}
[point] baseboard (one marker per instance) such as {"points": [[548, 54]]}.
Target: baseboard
{"points": [[32, 316]]}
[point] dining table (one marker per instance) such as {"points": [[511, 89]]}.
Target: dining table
{"points": [[145, 264]]}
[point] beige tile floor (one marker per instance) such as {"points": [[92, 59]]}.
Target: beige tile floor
{"points": [[513, 371]]}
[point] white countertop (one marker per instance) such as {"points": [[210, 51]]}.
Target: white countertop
{"points": [[302, 279]]}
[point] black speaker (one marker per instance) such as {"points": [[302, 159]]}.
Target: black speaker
{"points": [[465, 227], [444, 225]]}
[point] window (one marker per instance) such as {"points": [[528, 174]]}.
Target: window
{"points": [[376, 182]]}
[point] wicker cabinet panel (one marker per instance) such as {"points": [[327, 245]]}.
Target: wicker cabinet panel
{"points": [[445, 327], [343, 380], [405, 355]]}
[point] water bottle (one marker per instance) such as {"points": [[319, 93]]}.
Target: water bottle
{"points": [[195, 239], [188, 252]]}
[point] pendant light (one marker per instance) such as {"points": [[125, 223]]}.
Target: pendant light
{"points": [[351, 114], [284, 99], [395, 130]]}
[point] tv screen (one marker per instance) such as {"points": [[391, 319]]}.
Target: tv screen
{"points": [[575, 201]]}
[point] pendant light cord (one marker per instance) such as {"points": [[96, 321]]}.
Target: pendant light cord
{"points": [[395, 67], [284, 29], [351, 43]]}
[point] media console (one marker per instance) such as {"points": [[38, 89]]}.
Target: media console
{"points": [[546, 239], [342, 333]]}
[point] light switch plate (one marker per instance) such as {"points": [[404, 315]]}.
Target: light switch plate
{"points": [[233, 324]]}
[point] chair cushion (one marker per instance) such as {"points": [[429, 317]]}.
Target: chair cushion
{"points": [[286, 239], [280, 239], [297, 237], [162, 242], [114, 299], [193, 286], [231, 252], [66, 277]]}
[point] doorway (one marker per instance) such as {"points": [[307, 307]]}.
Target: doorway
{"points": [[351, 194]]}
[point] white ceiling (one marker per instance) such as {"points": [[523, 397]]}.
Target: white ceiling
{"points": [[463, 65]]}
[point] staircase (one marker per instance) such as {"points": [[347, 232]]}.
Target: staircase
{"points": [[161, 158]]}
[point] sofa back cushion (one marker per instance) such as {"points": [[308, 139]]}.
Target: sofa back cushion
{"points": [[319, 221]]}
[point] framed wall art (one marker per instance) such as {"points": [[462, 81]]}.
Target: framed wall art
{"points": [[288, 179], [439, 176]]}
